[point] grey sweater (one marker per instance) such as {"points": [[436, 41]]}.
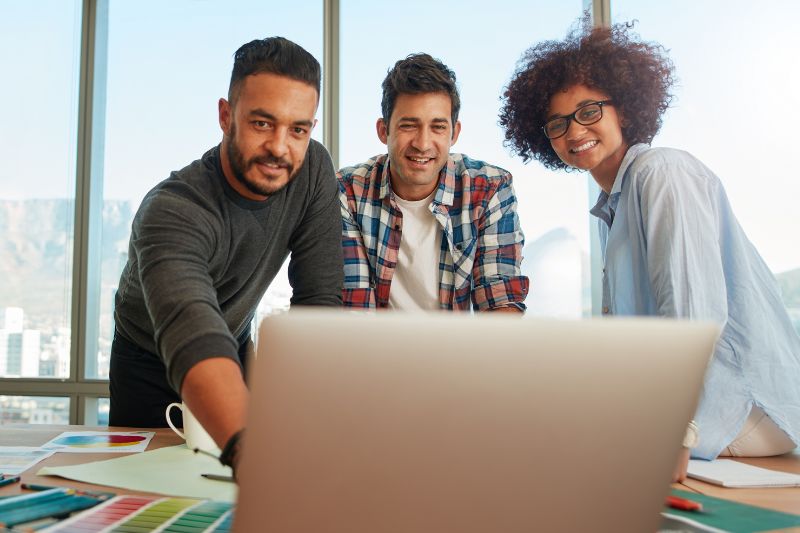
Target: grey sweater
{"points": [[201, 257]]}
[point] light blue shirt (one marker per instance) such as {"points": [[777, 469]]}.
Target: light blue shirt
{"points": [[675, 249]]}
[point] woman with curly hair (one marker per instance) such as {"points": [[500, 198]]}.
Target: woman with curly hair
{"points": [[671, 244]]}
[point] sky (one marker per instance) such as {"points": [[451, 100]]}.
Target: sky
{"points": [[169, 63]]}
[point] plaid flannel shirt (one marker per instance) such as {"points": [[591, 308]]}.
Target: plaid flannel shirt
{"points": [[479, 261]]}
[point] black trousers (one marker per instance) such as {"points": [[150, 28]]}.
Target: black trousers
{"points": [[138, 384]]}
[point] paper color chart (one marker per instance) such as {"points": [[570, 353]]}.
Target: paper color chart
{"points": [[99, 441], [140, 514]]}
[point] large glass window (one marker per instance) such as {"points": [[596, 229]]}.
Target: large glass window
{"points": [[733, 110], [40, 64], [481, 44], [168, 64], [34, 410]]}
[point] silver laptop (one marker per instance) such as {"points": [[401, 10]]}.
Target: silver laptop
{"points": [[390, 422]]}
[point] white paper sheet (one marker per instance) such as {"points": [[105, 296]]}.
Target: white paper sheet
{"points": [[174, 471], [728, 473], [16, 459]]}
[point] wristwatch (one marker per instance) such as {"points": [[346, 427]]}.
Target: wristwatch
{"points": [[692, 436]]}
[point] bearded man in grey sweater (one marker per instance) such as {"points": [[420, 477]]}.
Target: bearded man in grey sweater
{"points": [[207, 242]]}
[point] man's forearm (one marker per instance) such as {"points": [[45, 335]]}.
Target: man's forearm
{"points": [[215, 392]]}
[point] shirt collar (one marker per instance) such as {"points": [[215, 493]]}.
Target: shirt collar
{"points": [[632, 153], [601, 208], [607, 202], [444, 192]]}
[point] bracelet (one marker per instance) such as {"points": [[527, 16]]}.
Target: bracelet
{"points": [[231, 449], [692, 437]]}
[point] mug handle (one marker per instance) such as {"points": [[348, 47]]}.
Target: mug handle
{"points": [[171, 425]]}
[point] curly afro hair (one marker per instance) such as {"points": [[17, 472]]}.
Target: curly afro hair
{"points": [[636, 75]]}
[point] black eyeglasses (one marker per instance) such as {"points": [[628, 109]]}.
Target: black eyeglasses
{"points": [[584, 115]]}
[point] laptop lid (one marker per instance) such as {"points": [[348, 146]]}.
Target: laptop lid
{"points": [[391, 422]]}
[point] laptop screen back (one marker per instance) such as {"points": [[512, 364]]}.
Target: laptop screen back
{"points": [[445, 422]]}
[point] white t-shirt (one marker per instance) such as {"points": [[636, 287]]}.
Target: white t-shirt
{"points": [[415, 283]]}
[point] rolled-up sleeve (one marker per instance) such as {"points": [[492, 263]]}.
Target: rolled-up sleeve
{"points": [[497, 268]]}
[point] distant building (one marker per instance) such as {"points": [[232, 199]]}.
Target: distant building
{"points": [[10, 353], [31, 350], [20, 348]]}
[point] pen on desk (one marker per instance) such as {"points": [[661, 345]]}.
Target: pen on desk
{"points": [[209, 454], [217, 477], [683, 504], [33, 486], [9, 481]]}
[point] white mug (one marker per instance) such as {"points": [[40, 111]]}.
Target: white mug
{"points": [[193, 433]]}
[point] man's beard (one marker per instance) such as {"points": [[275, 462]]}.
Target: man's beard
{"points": [[239, 166]]}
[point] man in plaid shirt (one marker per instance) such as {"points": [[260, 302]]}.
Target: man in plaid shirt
{"points": [[423, 228]]}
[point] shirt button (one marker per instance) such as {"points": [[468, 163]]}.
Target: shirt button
{"points": [[605, 310]]}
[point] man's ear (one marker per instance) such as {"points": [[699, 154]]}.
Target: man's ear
{"points": [[225, 115], [456, 131], [383, 131]]}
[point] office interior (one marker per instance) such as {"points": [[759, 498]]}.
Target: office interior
{"points": [[104, 98]]}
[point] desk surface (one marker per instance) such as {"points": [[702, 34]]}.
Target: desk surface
{"points": [[779, 499], [786, 499], [36, 435]]}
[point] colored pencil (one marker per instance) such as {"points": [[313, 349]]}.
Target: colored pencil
{"points": [[62, 506], [683, 504], [101, 495], [29, 499]]}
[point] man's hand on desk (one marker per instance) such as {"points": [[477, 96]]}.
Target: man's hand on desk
{"points": [[216, 394], [682, 466]]}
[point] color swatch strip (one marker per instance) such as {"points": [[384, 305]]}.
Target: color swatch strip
{"points": [[134, 514]]}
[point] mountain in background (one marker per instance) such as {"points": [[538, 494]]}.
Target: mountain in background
{"points": [[36, 240], [36, 262]]}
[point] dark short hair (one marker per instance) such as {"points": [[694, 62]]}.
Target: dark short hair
{"points": [[418, 74], [273, 55], [636, 75]]}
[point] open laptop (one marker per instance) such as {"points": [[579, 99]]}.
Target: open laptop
{"points": [[390, 422]]}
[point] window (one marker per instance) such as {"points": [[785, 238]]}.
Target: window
{"points": [[481, 45], [38, 134], [733, 111]]}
